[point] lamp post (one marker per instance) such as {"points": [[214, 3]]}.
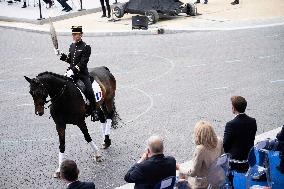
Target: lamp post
{"points": [[81, 6], [40, 14]]}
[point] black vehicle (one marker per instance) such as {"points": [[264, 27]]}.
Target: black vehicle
{"points": [[154, 9]]}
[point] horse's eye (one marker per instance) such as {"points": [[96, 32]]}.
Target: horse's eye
{"points": [[38, 93]]}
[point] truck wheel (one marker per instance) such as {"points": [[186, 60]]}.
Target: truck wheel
{"points": [[118, 11], [191, 9], [153, 16]]}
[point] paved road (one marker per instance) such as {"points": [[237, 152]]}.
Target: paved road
{"points": [[166, 83]]}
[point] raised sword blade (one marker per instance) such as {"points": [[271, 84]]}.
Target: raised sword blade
{"points": [[53, 35]]}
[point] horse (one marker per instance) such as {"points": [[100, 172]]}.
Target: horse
{"points": [[68, 105]]}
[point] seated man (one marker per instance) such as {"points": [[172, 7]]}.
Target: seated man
{"points": [[69, 173], [152, 167], [239, 135]]}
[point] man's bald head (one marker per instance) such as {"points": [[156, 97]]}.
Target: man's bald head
{"points": [[155, 144]]}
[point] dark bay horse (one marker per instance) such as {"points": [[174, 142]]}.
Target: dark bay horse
{"points": [[68, 106]]}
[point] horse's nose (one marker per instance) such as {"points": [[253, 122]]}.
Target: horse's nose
{"points": [[40, 113]]}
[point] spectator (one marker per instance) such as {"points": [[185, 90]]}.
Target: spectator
{"points": [[205, 1], [280, 138], [104, 8], [239, 136], [25, 4], [235, 2], [49, 2], [65, 5], [69, 173], [208, 148], [152, 167]]}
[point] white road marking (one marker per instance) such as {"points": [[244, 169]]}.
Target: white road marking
{"points": [[277, 81], [196, 65], [233, 61], [171, 62], [147, 109], [276, 35], [14, 93], [25, 105], [264, 57], [219, 88]]}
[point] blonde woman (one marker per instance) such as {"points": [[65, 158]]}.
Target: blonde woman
{"points": [[208, 148]]}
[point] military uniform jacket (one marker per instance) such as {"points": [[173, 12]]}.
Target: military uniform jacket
{"points": [[78, 58]]}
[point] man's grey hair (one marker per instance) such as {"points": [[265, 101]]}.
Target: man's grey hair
{"points": [[155, 144]]}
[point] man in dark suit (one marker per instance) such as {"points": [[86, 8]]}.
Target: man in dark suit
{"points": [[69, 173], [239, 135], [153, 166]]}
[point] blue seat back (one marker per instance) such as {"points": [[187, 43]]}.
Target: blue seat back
{"points": [[167, 183]]}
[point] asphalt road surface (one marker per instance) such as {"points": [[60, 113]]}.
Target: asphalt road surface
{"points": [[166, 83]]}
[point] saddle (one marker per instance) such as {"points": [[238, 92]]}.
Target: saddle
{"points": [[95, 87], [79, 83]]}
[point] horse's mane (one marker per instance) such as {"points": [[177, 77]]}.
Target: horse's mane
{"points": [[53, 74]]}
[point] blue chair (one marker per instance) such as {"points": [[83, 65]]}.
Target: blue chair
{"points": [[253, 161], [243, 179], [167, 183]]}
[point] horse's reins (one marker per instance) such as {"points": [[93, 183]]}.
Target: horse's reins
{"points": [[57, 96]]}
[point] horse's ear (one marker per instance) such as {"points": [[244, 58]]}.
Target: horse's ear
{"points": [[28, 79]]}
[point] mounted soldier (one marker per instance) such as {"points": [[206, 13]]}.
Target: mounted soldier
{"points": [[78, 58]]}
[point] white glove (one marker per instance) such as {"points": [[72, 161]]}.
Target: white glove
{"points": [[69, 73], [57, 52]]}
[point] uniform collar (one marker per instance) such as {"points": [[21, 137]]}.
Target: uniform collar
{"points": [[71, 183], [79, 42]]}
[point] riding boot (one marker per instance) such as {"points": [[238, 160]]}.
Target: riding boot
{"points": [[107, 142]]}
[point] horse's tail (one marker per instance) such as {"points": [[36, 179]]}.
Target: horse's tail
{"points": [[115, 118]]}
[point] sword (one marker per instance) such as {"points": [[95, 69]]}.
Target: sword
{"points": [[53, 35]]}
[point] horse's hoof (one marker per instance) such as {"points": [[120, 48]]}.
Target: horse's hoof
{"points": [[98, 158], [56, 175], [105, 146]]}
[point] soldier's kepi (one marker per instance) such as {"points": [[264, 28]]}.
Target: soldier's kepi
{"points": [[78, 58]]}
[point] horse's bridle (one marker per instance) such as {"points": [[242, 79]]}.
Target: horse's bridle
{"points": [[57, 96]]}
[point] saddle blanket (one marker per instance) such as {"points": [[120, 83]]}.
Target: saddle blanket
{"points": [[97, 92]]}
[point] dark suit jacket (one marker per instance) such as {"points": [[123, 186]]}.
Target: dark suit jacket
{"points": [[239, 136], [81, 185], [79, 54], [149, 172], [280, 137]]}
